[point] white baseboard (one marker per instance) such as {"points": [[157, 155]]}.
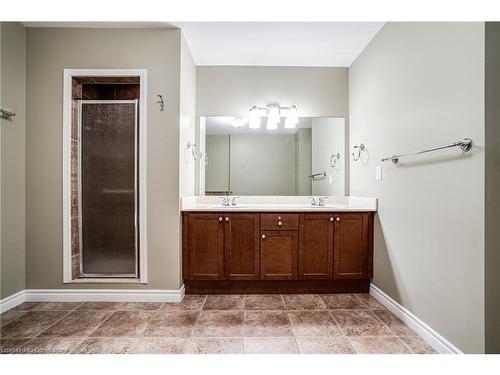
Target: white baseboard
{"points": [[91, 295], [12, 301], [433, 338]]}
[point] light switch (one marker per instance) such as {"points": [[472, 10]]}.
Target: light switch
{"points": [[330, 179], [379, 173]]}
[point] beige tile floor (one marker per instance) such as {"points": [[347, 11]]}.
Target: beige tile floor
{"points": [[272, 323]]}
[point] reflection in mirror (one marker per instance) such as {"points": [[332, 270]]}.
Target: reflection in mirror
{"points": [[308, 159]]}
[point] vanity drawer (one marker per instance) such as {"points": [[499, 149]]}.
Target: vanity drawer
{"points": [[273, 221]]}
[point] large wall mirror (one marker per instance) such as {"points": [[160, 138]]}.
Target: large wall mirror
{"points": [[308, 159]]}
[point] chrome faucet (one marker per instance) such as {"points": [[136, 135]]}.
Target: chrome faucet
{"points": [[322, 201], [318, 201], [228, 201]]}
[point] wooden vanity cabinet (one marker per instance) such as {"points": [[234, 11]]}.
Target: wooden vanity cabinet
{"points": [[205, 247], [353, 246], [316, 246], [221, 246], [279, 246], [312, 252], [335, 246], [278, 255], [241, 245]]}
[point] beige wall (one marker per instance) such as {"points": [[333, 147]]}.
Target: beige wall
{"points": [[492, 165], [217, 170], [232, 90], [262, 164], [187, 119], [303, 162], [12, 139], [49, 51], [418, 85]]}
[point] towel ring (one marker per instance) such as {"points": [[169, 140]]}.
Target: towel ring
{"points": [[333, 160], [359, 148]]}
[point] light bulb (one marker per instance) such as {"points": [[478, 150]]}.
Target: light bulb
{"points": [[254, 122], [271, 124], [273, 117], [238, 122], [292, 118]]}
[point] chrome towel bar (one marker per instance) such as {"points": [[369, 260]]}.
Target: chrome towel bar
{"points": [[317, 175], [465, 145]]}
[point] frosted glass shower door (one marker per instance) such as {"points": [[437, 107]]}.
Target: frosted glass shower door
{"points": [[108, 188]]}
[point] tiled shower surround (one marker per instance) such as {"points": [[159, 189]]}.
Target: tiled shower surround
{"points": [[225, 324]]}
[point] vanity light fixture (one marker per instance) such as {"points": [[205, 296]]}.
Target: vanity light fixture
{"points": [[273, 112]]}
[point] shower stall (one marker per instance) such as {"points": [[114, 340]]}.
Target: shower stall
{"points": [[105, 185], [107, 177]]}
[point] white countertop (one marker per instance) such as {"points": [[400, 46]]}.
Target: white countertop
{"points": [[279, 204]]}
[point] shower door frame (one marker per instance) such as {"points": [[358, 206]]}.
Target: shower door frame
{"points": [[68, 75], [136, 176]]}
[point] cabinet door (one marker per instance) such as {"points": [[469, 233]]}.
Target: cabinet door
{"points": [[278, 255], [316, 246], [242, 246], [206, 246], [351, 246]]}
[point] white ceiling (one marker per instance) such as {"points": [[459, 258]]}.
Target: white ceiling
{"points": [[278, 43], [262, 43]]}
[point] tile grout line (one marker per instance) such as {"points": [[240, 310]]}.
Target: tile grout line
{"points": [[343, 333], [188, 341], [112, 312], [291, 326], [30, 339], [57, 321], [383, 336], [390, 329]]}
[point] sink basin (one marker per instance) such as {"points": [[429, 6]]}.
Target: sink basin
{"points": [[221, 207], [266, 207], [332, 206]]}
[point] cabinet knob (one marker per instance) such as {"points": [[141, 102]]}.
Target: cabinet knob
{"points": [[227, 219], [337, 219], [279, 217], [220, 219], [331, 219], [280, 223], [263, 236]]}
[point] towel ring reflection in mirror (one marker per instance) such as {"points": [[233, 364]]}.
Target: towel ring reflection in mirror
{"points": [[356, 153], [195, 150], [333, 160]]}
